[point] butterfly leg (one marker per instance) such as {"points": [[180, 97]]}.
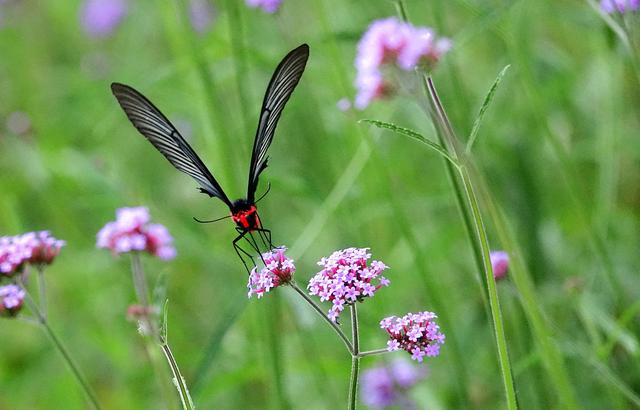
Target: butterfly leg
{"points": [[254, 244], [240, 251], [265, 235]]}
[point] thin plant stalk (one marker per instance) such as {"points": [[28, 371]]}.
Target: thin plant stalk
{"points": [[373, 352], [42, 320], [142, 294], [355, 357], [452, 173], [139, 281], [42, 289], [494, 303], [439, 117], [319, 311], [181, 385], [468, 203]]}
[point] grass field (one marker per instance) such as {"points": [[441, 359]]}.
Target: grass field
{"points": [[555, 168]]}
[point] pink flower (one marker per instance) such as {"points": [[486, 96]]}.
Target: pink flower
{"points": [[278, 271], [619, 6], [268, 6], [11, 299], [131, 231], [44, 247], [14, 253], [347, 279], [416, 333], [499, 264], [392, 42], [32, 247]]}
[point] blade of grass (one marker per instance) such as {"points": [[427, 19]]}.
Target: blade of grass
{"points": [[483, 109]]}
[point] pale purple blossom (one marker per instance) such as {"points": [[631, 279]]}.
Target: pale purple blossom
{"points": [[499, 264], [393, 42], [388, 385], [201, 15], [268, 6], [343, 104], [11, 299], [131, 231], [619, 6], [346, 278], [38, 248], [99, 18], [19, 123], [416, 333], [278, 270]]}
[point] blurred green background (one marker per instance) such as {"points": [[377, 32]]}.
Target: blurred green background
{"points": [[69, 158]]}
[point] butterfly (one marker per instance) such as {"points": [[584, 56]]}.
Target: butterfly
{"points": [[159, 131]]}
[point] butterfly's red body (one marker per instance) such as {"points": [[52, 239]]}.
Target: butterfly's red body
{"points": [[245, 216]]}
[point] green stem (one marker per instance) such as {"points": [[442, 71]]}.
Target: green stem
{"points": [[319, 311], [42, 291], [42, 320], [494, 303], [181, 385], [139, 281], [151, 334], [452, 173], [355, 358], [373, 352], [401, 9], [633, 48], [443, 126]]}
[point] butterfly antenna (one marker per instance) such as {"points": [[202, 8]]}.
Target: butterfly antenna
{"points": [[266, 192], [211, 221]]}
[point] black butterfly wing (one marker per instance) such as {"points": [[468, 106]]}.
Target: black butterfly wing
{"points": [[156, 128], [284, 80]]}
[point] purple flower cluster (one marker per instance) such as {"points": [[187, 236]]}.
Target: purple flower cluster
{"points": [[619, 6], [500, 264], [346, 278], [416, 333], [99, 18], [268, 6], [33, 247], [131, 231], [387, 385], [278, 271], [11, 299], [201, 14], [391, 41]]}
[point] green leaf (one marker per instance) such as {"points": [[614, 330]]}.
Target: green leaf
{"points": [[412, 134], [163, 323], [485, 105]]}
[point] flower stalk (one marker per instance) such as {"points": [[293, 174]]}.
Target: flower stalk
{"points": [[355, 357], [42, 320], [445, 130]]}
